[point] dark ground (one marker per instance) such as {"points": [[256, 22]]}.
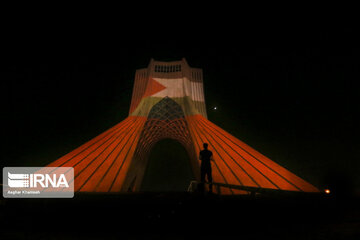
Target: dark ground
{"points": [[181, 216]]}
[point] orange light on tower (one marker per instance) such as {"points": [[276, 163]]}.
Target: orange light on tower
{"points": [[168, 102], [327, 191]]}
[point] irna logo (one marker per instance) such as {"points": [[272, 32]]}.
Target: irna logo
{"points": [[36, 180]]}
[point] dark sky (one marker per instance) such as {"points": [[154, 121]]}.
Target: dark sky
{"points": [[290, 92]]}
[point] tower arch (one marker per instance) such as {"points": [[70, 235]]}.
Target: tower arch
{"points": [[166, 120]]}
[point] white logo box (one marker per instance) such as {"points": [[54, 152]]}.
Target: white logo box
{"points": [[38, 182]]}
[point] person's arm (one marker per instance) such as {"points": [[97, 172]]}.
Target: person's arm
{"points": [[200, 157], [212, 157]]}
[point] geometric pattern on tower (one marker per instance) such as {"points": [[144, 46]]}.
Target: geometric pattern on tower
{"points": [[166, 109]]}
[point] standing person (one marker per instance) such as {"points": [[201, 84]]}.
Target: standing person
{"points": [[206, 156]]}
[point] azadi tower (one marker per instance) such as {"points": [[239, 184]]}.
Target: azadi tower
{"points": [[168, 102]]}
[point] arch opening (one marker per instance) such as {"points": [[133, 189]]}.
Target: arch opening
{"points": [[168, 169]]}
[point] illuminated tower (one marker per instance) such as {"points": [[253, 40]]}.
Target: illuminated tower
{"points": [[168, 102]]}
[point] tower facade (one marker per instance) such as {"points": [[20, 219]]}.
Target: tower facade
{"points": [[168, 102]]}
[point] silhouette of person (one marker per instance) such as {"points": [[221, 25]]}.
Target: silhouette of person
{"points": [[206, 156]]}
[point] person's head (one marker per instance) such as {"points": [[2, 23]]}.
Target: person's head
{"points": [[205, 145]]}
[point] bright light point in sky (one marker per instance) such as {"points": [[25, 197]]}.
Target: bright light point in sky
{"points": [[215, 108], [327, 191]]}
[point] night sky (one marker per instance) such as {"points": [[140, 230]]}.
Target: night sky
{"points": [[290, 93]]}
